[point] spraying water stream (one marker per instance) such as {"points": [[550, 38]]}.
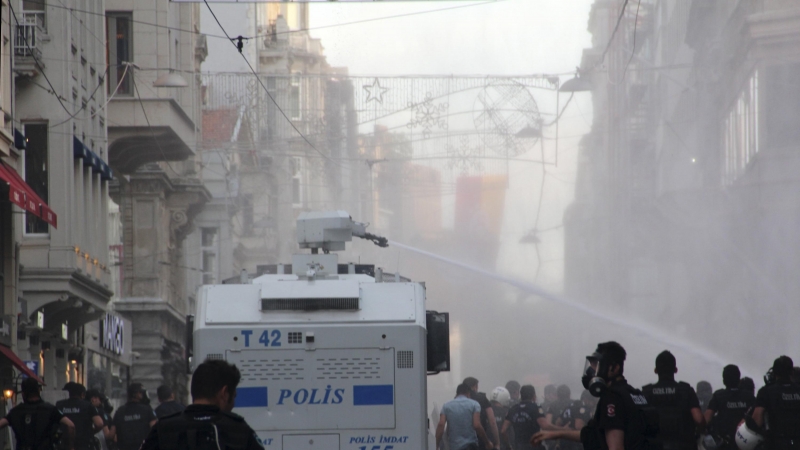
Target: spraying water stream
{"points": [[632, 324]]}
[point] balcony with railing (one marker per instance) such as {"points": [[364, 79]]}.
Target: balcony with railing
{"points": [[28, 41]]}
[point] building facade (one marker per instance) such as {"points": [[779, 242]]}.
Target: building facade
{"points": [[60, 108], [687, 185], [154, 52], [278, 141]]}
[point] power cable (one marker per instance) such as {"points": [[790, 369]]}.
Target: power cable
{"points": [[183, 30], [36, 60], [613, 33], [633, 50], [277, 106], [150, 127], [86, 103], [375, 19]]}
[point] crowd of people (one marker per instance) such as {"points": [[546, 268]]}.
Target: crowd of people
{"points": [[86, 420], [610, 414]]}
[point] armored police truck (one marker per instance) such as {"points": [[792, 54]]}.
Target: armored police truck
{"points": [[333, 356]]}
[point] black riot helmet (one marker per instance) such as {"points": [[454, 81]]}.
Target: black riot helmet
{"points": [[595, 372]]}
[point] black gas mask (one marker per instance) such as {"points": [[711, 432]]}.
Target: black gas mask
{"points": [[594, 375], [769, 377], [145, 397]]}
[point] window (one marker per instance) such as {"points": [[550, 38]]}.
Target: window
{"points": [[781, 107], [119, 50], [247, 212], [208, 237], [36, 172], [297, 182], [741, 131], [294, 98], [209, 267]]}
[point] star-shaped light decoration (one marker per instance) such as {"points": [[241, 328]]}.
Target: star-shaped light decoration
{"points": [[375, 91]]}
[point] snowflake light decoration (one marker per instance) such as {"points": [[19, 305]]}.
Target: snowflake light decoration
{"points": [[463, 156], [428, 115]]}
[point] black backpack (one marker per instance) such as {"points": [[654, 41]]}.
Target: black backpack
{"points": [[675, 421], [36, 430], [219, 432], [647, 418]]}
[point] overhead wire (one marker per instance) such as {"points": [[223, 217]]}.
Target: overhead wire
{"points": [[150, 127], [36, 60], [613, 33], [216, 36], [86, 103], [375, 19], [633, 50], [277, 106]]}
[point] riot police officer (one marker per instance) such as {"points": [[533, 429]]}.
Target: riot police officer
{"points": [[727, 408], [133, 420], [35, 422], [677, 405], [623, 419], [704, 393], [85, 417], [778, 407], [208, 422]]}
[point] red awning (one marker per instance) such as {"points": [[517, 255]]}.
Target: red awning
{"points": [[23, 196], [16, 362]]}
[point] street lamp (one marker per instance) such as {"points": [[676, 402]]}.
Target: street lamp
{"points": [[576, 84], [171, 79]]}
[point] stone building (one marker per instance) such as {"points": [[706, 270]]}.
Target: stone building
{"points": [[153, 127], [63, 273], [282, 136], [687, 187]]}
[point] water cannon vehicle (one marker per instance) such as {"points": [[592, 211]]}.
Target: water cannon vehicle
{"points": [[332, 356]]}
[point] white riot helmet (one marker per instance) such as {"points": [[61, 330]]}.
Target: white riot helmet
{"points": [[746, 438], [500, 395]]}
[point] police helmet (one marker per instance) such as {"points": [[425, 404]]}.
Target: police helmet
{"points": [[746, 438], [500, 395], [708, 442]]}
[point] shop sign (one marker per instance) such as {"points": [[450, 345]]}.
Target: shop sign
{"points": [[39, 319], [33, 366], [111, 330], [64, 332]]}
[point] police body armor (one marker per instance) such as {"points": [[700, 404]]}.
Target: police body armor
{"points": [[676, 426], [783, 417], [643, 428], [733, 404], [36, 432], [214, 431]]}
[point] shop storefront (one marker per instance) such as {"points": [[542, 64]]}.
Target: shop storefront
{"points": [[109, 356]]}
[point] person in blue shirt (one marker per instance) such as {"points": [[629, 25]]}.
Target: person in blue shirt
{"points": [[462, 416]]}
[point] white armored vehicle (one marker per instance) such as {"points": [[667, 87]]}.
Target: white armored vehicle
{"points": [[333, 356]]}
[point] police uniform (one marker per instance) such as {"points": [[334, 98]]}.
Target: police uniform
{"points": [[524, 418], [201, 427], [730, 407], [500, 413], [132, 422], [35, 425], [82, 414], [576, 410], [620, 407], [556, 409], [782, 405], [169, 408], [674, 401], [482, 400]]}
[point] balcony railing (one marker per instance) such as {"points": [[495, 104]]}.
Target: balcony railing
{"points": [[29, 33]]}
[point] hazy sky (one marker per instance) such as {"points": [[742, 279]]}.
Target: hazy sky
{"points": [[506, 37]]}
